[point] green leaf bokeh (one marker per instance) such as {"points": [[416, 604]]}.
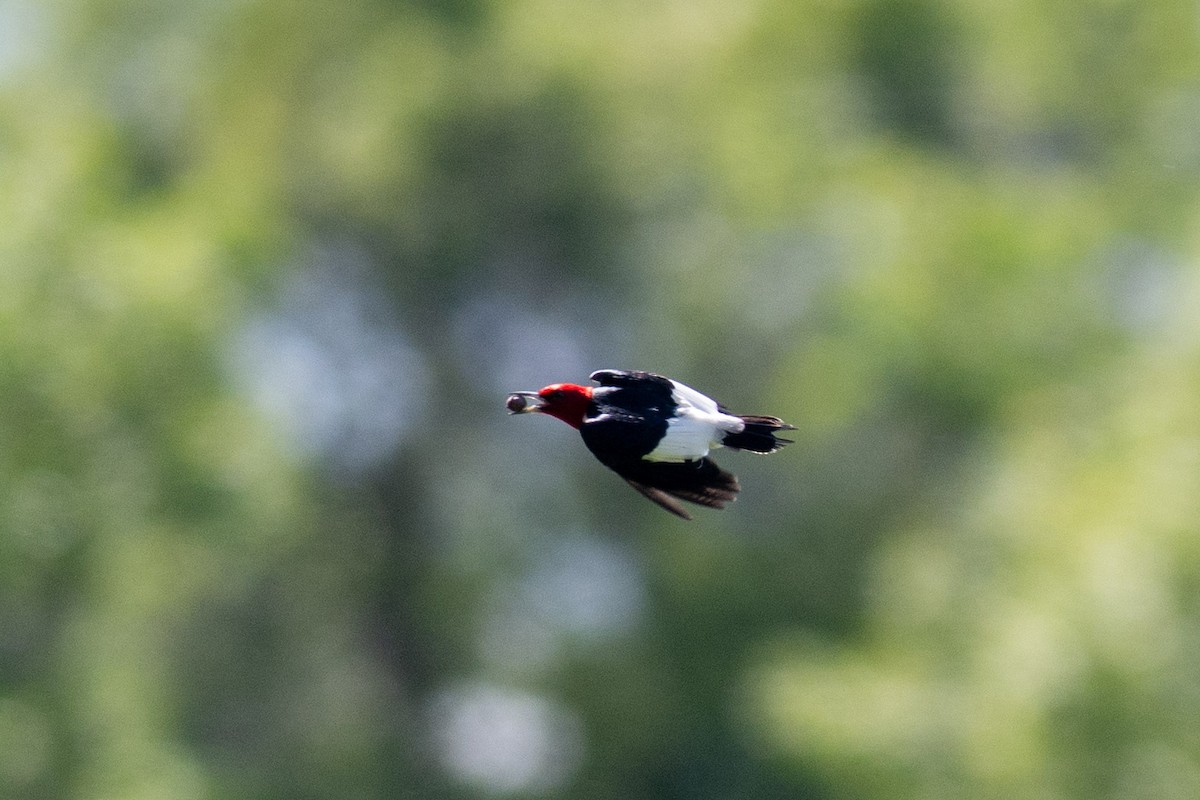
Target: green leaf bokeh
{"points": [[268, 270]]}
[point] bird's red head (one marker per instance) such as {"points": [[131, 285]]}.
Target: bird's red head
{"points": [[566, 401]]}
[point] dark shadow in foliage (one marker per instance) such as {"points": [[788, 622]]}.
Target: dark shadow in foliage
{"points": [[512, 187], [906, 52], [465, 16]]}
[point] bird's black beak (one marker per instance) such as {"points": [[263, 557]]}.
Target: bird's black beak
{"points": [[524, 402]]}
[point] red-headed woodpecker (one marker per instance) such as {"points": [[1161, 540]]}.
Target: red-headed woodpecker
{"points": [[656, 433]]}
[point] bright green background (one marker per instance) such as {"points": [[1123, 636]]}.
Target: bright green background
{"points": [[268, 269]]}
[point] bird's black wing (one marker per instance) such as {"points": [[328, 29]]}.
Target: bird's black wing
{"points": [[662, 498], [647, 381], [632, 378], [701, 482]]}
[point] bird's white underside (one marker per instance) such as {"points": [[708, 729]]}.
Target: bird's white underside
{"points": [[698, 426]]}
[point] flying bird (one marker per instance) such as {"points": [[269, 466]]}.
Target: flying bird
{"points": [[656, 433]]}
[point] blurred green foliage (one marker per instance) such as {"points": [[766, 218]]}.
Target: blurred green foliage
{"points": [[268, 270]]}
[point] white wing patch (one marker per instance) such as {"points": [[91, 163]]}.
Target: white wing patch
{"points": [[697, 427], [686, 396]]}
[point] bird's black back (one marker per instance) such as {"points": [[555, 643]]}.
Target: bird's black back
{"points": [[628, 415]]}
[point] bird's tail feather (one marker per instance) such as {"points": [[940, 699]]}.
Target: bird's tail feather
{"points": [[759, 435]]}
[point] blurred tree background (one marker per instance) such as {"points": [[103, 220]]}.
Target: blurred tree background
{"points": [[268, 269]]}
